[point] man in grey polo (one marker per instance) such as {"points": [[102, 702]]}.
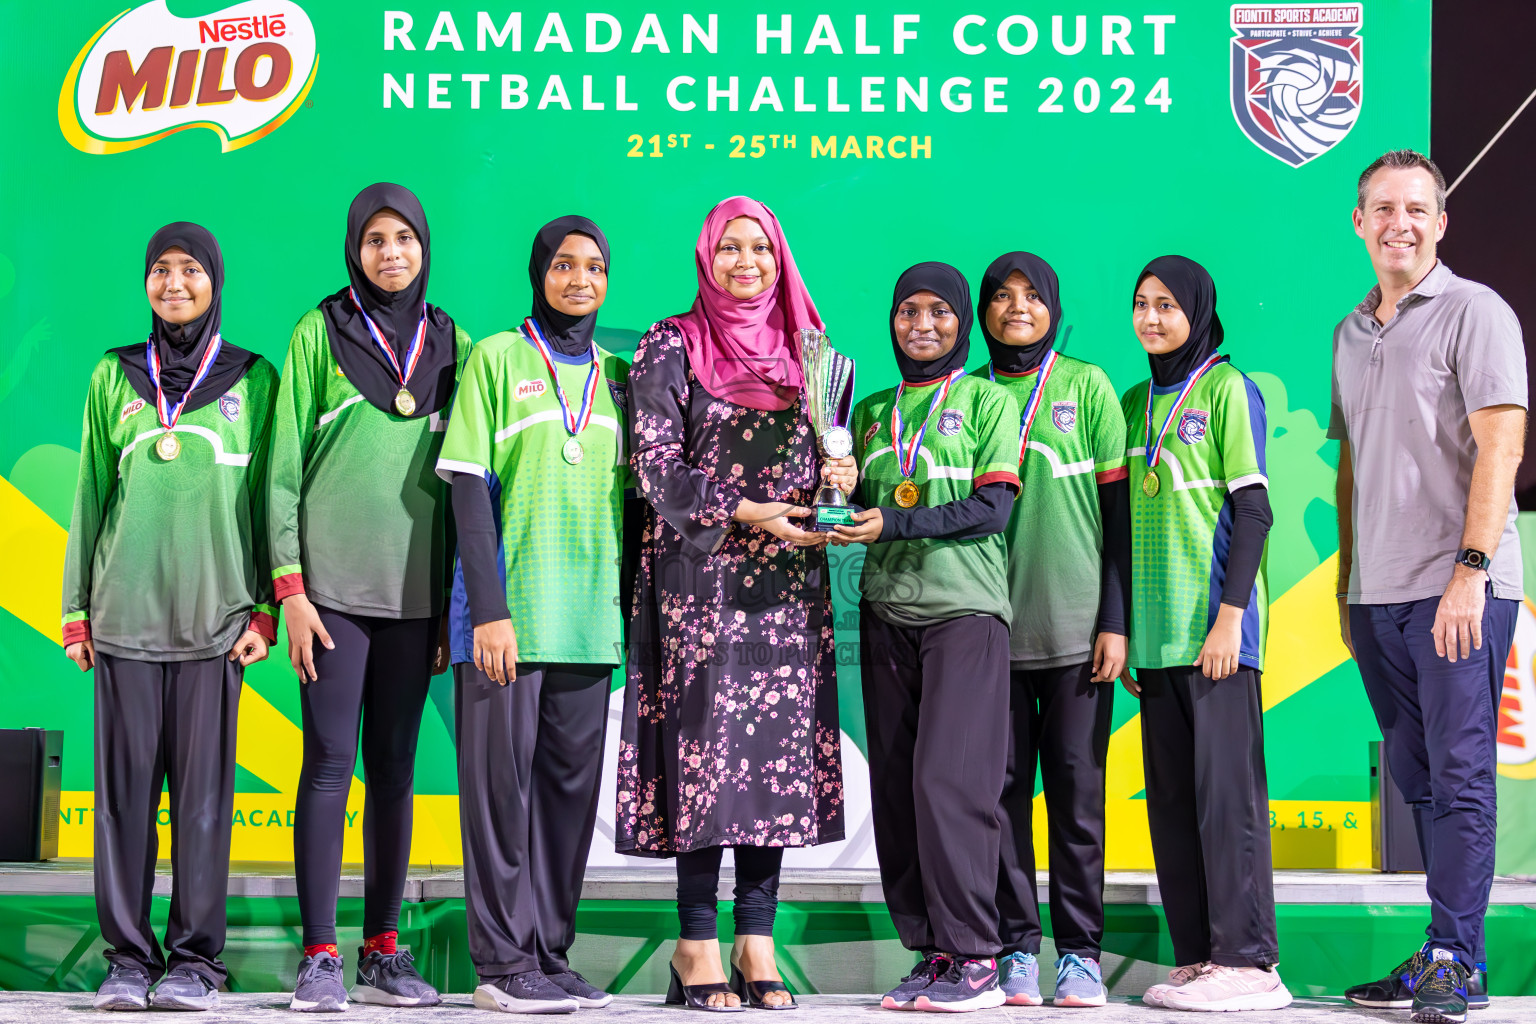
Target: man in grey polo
{"points": [[1429, 396]]}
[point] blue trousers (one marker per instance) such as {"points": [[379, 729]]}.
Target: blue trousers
{"points": [[1439, 721]]}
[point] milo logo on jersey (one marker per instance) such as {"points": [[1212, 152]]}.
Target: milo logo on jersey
{"points": [[528, 389], [146, 74], [1517, 705], [1296, 76]]}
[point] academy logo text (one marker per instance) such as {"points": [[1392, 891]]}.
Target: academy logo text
{"points": [[240, 73]]}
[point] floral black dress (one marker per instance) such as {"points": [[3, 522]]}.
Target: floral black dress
{"points": [[730, 734]]}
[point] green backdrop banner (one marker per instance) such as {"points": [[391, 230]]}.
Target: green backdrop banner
{"points": [[881, 134]]}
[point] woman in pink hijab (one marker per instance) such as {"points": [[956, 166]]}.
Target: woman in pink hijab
{"points": [[730, 733]]}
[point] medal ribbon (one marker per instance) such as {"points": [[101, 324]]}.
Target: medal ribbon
{"points": [[168, 413], [575, 423], [1036, 400], [906, 452], [412, 354], [1155, 452]]}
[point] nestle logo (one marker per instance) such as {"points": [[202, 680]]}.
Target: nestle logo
{"points": [[239, 72], [227, 30]]}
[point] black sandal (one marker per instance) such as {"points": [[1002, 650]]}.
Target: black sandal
{"points": [[696, 997], [752, 992]]}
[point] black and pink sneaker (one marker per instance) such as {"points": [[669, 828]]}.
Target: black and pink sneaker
{"points": [[928, 970], [969, 984]]}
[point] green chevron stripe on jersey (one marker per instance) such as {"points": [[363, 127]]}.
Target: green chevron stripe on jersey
{"points": [[1179, 537], [1055, 535], [972, 440], [167, 559], [355, 502], [560, 523]]}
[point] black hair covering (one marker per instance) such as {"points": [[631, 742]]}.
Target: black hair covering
{"points": [[181, 346], [950, 285], [1195, 292], [394, 313], [1021, 358], [566, 334]]}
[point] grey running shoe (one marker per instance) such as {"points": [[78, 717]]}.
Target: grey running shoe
{"points": [[528, 992], [184, 989], [1079, 982], [969, 984], [904, 995], [391, 979], [319, 988], [1021, 979], [126, 987], [587, 995]]}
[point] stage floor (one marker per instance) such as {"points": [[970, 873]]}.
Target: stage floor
{"points": [[28, 1007], [73, 877]]}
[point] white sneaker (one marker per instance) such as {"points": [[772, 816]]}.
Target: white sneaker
{"points": [[1230, 988], [1176, 977]]}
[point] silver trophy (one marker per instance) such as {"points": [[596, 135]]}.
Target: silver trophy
{"points": [[829, 404]]}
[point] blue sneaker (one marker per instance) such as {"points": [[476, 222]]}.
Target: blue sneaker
{"points": [[1021, 979], [1440, 992], [1079, 982]]}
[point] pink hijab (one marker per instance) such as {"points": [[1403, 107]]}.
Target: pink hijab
{"points": [[746, 351]]}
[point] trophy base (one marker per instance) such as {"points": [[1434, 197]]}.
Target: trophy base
{"points": [[830, 516], [831, 510]]}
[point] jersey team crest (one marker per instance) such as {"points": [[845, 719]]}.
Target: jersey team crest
{"points": [[1064, 416], [229, 405], [1296, 76], [950, 421], [1192, 425]]}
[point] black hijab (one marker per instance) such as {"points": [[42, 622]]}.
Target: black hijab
{"points": [[1021, 358], [395, 314], [1195, 292], [948, 284], [181, 346], [566, 334]]}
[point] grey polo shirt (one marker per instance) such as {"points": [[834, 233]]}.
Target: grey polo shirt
{"points": [[1401, 395]]}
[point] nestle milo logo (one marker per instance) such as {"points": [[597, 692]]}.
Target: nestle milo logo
{"points": [[240, 73]]}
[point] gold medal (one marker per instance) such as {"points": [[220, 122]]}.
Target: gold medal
{"points": [[405, 403], [168, 447], [906, 494], [572, 451], [1150, 484]]}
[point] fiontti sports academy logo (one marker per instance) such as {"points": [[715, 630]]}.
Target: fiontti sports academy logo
{"points": [[1296, 76], [240, 73], [1517, 703]]}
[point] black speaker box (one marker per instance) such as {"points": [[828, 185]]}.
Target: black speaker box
{"points": [[31, 768], [1394, 842]]}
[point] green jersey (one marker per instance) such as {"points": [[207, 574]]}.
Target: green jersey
{"points": [[167, 559], [560, 522], [1180, 536], [972, 440], [357, 515], [1055, 534]]}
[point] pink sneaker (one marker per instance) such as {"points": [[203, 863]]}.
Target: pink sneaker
{"points": [[1230, 988], [1176, 977]]}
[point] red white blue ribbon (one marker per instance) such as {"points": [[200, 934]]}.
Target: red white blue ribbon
{"points": [[1155, 452], [575, 423], [1036, 399], [169, 413], [412, 354], [906, 452]]}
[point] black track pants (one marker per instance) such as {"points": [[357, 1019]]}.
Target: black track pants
{"points": [[1060, 720], [936, 707], [159, 722], [377, 675], [530, 763], [1208, 807]]}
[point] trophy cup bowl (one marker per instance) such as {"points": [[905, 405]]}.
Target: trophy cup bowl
{"points": [[828, 402]]}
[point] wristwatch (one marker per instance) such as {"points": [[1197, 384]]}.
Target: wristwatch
{"points": [[1474, 559]]}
